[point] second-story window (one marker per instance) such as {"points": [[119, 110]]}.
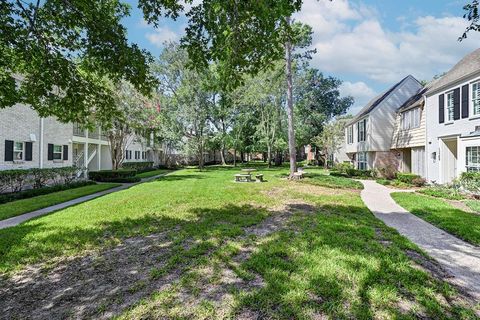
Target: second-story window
{"points": [[411, 119], [476, 98], [449, 109], [350, 134], [362, 130]]}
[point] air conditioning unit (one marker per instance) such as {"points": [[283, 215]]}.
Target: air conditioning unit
{"points": [[33, 137]]}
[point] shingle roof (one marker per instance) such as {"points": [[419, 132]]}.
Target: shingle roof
{"points": [[415, 100], [468, 65], [376, 101]]}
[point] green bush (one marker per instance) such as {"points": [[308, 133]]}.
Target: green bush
{"points": [[13, 180], [419, 182], [445, 192], [343, 167], [388, 172], [138, 166], [122, 175], [470, 181], [384, 182], [336, 173], [5, 198], [407, 177], [359, 173], [40, 177]]}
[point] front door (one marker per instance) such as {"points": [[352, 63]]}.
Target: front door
{"points": [[448, 159]]}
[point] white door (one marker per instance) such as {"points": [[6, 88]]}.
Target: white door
{"points": [[448, 159], [418, 161]]}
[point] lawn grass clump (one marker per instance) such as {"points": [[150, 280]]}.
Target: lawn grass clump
{"points": [[19, 207], [444, 192], [332, 181], [464, 225]]}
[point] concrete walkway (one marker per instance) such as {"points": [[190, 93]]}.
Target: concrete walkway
{"points": [[11, 222], [460, 259]]}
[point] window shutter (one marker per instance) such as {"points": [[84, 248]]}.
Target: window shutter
{"points": [[441, 108], [465, 100], [358, 131], [8, 150], [28, 151], [50, 152], [65, 152], [456, 104]]}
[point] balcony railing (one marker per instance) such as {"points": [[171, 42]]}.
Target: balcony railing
{"points": [[94, 134], [78, 130]]}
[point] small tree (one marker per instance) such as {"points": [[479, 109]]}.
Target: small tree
{"points": [[331, 139]]}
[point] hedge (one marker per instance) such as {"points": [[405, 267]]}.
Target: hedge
{"points": [[15, 180], [407, 177], [9, 197], [122, 176], [138, 166]]}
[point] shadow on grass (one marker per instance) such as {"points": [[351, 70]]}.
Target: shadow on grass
{"points": [[328, 261]]}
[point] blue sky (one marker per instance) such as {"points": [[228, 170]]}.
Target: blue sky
{"points": [[369, 44]]}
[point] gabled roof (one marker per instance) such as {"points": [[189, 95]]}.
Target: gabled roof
{"points": [[377, 100], [468, 65], [415, 101]]}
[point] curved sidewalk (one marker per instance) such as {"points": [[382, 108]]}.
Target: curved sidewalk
{"points": [[11, 222], [458, 257]]}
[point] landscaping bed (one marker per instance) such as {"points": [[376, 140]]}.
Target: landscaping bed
{"points": [[153, 173], [204, 247]]}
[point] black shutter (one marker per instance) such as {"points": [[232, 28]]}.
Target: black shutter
{"points": [[8, 150], [65, 152], [50, 151], [441, 108], [465, 100], [28, 151], [456, 104], [358, 131]]}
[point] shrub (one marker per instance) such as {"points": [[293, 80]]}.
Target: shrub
{"points": [[66, 174], [40, 177], [13, 180], [445, 192], [336, 173], [138, 166], [359, 173], [113, 175], [343, 167], [407, 177], [4, 198], [419, 182], [470, 181], [384, 182], [388, 172]]}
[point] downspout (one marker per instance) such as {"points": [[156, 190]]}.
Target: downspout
{"points": [[40, 164]]}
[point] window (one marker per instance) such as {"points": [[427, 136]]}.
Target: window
{"points": [[18, 151], [473, 159], [449, 109], [137, 155], [411, 119], [362, 130], [362, 161], [57, 152], [476, 98], [350, 134]]}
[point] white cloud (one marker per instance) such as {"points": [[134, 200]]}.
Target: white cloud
{"points": [[352, 40], [161, 35], [360, 91]]}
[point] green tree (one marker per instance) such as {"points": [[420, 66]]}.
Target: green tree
{"points": [[472, 15], [55, 53], [330, 140]]}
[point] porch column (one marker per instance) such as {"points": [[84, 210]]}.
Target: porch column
{"points": [[99, 157]]}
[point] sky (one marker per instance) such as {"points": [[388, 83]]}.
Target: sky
{"points": [[368, 44]]}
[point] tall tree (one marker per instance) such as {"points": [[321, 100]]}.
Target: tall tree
{"points": [[53, 54]]}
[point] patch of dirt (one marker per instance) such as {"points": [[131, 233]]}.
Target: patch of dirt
{"points": [[429, 265], [102, 284], [461, 205], [380, 237]]}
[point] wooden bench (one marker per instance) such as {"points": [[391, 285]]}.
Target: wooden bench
{"points": [[259, 177], [243, 177]]}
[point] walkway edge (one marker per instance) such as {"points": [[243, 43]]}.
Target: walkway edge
{"points": [[14, 221]]}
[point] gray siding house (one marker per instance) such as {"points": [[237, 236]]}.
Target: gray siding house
{"points": [[369, 135]]}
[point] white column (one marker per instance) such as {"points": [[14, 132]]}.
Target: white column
{"points": [[40, 143], [99, 157]]}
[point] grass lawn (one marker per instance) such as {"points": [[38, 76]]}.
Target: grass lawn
{"points": [[463, 224], [15, 208], [201, 246], [153, 173]]}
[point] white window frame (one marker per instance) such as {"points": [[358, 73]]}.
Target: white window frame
{"points": [[350, 134], [18, 151], [472, 163], [55, 146], [362, 161], [411, 119], [450, 107], [362, 138], [475, 98]]}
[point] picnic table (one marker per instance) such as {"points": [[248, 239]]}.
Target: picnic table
{"points": [[247, 176]]}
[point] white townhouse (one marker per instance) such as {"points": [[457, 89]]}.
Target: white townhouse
{"points": [[453, 121], [409, 135], [369, 135], [30, 141]]}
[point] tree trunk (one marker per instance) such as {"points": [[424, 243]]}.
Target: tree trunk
{"points": [[234, 157], [242, 156], [291, 130], [269, 156], [222, 155]]}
